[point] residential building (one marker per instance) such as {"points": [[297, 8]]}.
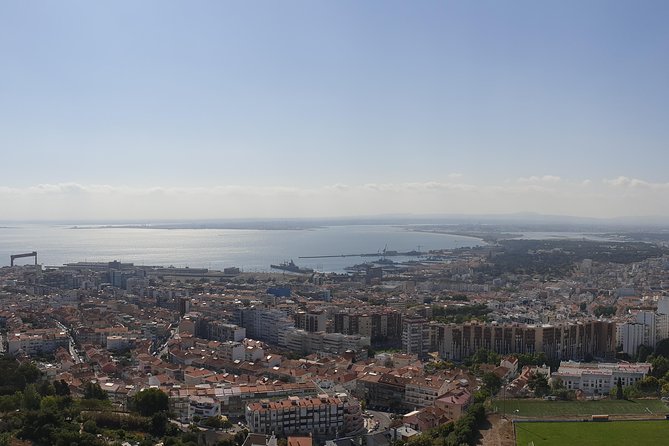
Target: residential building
{"points": [[323, 416], [599, 378]]}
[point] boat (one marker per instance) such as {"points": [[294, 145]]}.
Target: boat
{"points": [[292, 267]]}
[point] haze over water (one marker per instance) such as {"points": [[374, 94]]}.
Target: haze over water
{"points": [[250, 250]]}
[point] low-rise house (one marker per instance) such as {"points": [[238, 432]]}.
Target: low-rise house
{"points": [[454, 403], [426, 418]]}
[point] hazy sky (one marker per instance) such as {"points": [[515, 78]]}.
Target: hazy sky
{"points": [[206, 109]]}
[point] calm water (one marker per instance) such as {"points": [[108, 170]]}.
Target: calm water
{"points": [[250, 250]]}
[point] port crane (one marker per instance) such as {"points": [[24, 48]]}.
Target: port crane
{"points": [[27, 254]]}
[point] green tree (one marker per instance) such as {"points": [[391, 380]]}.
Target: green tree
{"points": [[149, 401], [648, 385], [659, 366], [90, 426], [662, 348], [159, 423], [61, 388], [538, 383], [46, 388], [491, 382], [485, 356], [665, 389], [240, 437], [93, 391], [643, 353], [619, 389], [31, 398]]}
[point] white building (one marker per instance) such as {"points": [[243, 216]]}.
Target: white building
{"points": [[415, 336], [423, 391], [232, 351], [35, 342], [324, 417], [599, 378], [203, 407], [663, 305], [647, 318], [630, 336]]}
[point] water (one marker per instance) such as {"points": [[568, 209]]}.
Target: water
{"points": [[250, 250], [564, 235]]}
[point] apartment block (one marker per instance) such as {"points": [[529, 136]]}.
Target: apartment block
{"points": [[34, 342], [424, 390], [416, 337], [599, 378], [324, 417], [560, 341]]}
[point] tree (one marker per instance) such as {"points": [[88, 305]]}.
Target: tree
{"points": [[46, 388], [485, 356], [90, 426], [538, 383], [31, 398], [662, 348], [240, 437], [159, 424], [93, 391], [556, 384], [619, 389], [648, 385], [149, 401], [61, 388], [30, 371], [217, 422], [665, 389], [491, 382], [659, 366], [643, 353]]}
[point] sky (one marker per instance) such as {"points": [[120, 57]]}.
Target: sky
{"points": [[226, 109]]}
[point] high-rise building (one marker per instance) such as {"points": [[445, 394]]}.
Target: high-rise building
{"points": [[576, 340], [416, 336]]}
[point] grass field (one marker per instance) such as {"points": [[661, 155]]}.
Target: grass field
{"points": [[545, 409], [593, 434]]}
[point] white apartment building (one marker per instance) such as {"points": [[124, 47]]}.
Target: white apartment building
{"points": [[630, 337], [415, 336], [310, 342], [35, 342], [203, 407], [647, 318], [232, 351], [599, 378], [423, 391], [324, 417]]}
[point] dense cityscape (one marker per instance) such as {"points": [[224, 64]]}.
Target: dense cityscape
{"points": [[334, 223], [386, 354]]}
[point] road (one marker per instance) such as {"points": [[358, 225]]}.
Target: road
{"points": [[383, 419], [160, 351], [72, 345]]}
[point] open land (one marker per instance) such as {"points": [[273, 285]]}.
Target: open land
{"points": [[553, 409], [593, 434]]}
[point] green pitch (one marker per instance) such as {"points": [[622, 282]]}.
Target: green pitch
{"points": [[576, 409], [609, 433]]}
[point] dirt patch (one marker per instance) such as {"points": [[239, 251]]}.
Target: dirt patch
{"points": [[498, 432]]}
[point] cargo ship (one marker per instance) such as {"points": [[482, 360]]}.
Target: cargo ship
{"points": [[292, 267]]}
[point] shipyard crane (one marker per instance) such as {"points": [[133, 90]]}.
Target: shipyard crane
{"points": [[27, 254]]}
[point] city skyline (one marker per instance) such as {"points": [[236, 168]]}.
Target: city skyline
{"points": [[168, 110]]}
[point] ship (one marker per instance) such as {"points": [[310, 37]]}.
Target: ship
{"points": [[292, 267]]}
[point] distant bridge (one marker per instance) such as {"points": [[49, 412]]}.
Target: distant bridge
{"points": [[27, 254]]}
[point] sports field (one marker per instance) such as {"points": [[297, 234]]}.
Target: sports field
{"points": [[547, 409], [592, 434]]}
